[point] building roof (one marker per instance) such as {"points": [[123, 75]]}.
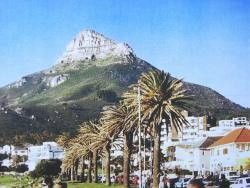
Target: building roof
{"points": [[209, 141], [237, 135]]}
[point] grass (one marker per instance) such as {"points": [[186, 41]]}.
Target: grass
{"points": [[6, 180], [10, 181]]}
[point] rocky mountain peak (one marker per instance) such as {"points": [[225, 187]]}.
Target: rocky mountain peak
{"points": [[90, 44]]}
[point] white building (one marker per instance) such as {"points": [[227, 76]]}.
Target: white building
{"points": [[19, 151], [12, 151], [193, 156], [205, 155], [225, 126], [229, 150], [7, 149], [195, 130], [183, 155], [49, 150]]}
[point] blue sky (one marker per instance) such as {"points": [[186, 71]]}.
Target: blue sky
{"points": [[205, 42]]}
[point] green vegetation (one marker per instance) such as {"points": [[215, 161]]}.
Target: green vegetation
{"points": [[91, 85], [11, 181], [162, 97], [48, 168], [7, 180]]}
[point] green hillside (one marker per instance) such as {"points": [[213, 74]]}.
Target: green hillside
{"points": [[90, 85]]}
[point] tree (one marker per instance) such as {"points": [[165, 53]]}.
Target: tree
{"points": [[21, 168], [162, 97], [47, 168], [119, 119], [16, 159], [88, 134], [84, 146], [78, 149], [244, 163], [64, 140]]}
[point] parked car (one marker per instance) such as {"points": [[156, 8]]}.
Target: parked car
{"points": [[231, 175], [241, 183], [182, 183], [103, 179]]}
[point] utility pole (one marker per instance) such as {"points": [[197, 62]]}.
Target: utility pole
{"points": [[139, 125]]}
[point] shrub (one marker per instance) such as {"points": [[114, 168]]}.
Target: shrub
{"points": [[21, 168], [108, 95], [47, 168]]}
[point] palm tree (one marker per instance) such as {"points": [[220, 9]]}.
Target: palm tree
{"points": [[63, 140], [70, 159], [162, 97], [79, 148], [99, 139], [89, 136], [120, 119]]}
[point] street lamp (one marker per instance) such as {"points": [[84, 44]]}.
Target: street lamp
{"points": [[144, 144]]}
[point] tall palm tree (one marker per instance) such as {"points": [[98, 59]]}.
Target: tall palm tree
{"points": [[89, 135], [66, 143], [119, 119], [70, 159], [162, 97], [100, 139], [80, 148]]}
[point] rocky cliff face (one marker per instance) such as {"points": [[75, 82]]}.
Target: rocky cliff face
{"points": [[89, 44]]}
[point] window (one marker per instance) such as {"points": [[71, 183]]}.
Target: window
{"points": [[232, 173], [218, 152], [225, 151], [243, 147]]}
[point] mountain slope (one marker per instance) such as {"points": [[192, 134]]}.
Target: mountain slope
{"points": [[92, 73]]}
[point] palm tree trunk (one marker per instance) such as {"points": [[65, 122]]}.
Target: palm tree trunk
{"points": [[76, 169], [72, 173], [95, 166], [83, 170], [128, 139], [156, 156], [107, 164], [90, 168]]}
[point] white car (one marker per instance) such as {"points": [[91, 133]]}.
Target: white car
{"points": [[241, 183]]}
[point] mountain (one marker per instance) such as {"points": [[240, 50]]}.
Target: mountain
{"points": [[91, 74]]}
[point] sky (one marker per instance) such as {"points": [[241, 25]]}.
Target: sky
{"points": [[204, 42]]}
